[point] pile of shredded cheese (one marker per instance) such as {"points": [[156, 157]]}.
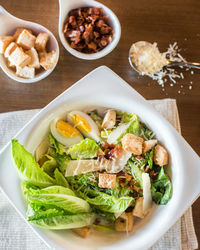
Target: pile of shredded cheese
{"points": [[148, 60]]}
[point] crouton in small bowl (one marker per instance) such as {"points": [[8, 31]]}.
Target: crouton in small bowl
{"points": [[29, 52]]}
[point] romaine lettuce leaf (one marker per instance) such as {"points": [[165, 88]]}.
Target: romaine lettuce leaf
{"points": [[59, 148], [49, 164], [60, 179], [54, 218], [28, 168], [86, 149], [161, 189], [57, 196], [107, 202], [136, 172]]}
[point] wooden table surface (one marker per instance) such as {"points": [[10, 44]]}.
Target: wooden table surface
{"points": [[165, 22]]}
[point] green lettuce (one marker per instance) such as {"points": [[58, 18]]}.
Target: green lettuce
{"points": [[49, 164], [57, 146], [54, 218], [60, 179], [126, 117], [136, 171], [96, 117], [57, 196], [145, 132], [107, 202], [161, 189], [28, 168], [136, 127], [86, 149]]}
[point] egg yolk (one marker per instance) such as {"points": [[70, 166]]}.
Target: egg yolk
{"points": [[81, 123], [65, 129]]}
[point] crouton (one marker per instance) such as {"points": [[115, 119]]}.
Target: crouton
{"points": [[83, 231], [160, 155], [26, 72], [147, 145], [26, 40], [4, 42], [48, 60], [34, 58], [109, 119], [107, 180], [19, 58], [124, 223], [132, 144], [41, 41], [138, 209], [11, 47], [11, 65], [18, 32]]}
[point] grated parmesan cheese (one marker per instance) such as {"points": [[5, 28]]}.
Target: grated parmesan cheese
{"points": [[147, 59]]}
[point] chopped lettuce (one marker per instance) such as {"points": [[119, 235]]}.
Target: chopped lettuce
{"points": [[60, 179], [136, 172], [86, 149], [146, 133], [54, 218], [96, 117], [105, 133], [161, 189], [28, 168], [57, 146], [149, 158], [57, 196], [126, 117]]}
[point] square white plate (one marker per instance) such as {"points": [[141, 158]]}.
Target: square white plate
{"points": [[102, 87]]}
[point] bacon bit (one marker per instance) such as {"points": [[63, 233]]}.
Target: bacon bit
{"points": [[105, 29], [132, 182], [153, 174], [72, 21], [129, 177], [137, 189], [146, 169], [93, 26], [139, 157], [129, 209], [122, 184], [121, 173], [115, 152]]}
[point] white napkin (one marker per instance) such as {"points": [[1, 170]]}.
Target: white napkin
{"points": [[15, 233]]}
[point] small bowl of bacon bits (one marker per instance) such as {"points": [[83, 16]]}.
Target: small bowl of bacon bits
{"points": [[89, 32]]}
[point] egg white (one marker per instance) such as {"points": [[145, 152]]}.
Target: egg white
{"points": [[95, 133], [62, 139]]}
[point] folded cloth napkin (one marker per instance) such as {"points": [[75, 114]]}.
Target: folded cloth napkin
{"points": [[15, 233]]}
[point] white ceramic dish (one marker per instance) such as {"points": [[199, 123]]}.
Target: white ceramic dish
{"points": [[8, 26], [102, 87], [66, 6]]}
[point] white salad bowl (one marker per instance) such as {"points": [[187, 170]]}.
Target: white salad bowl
{"points": [[8, 26], [66, 6], [103, 88]]}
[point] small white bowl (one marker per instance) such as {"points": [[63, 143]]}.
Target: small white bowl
{"points": [[66, 6], [8, 26]]}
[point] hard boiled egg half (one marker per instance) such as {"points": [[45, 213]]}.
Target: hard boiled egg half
{"points": [[84, 124], [65, 133]]}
